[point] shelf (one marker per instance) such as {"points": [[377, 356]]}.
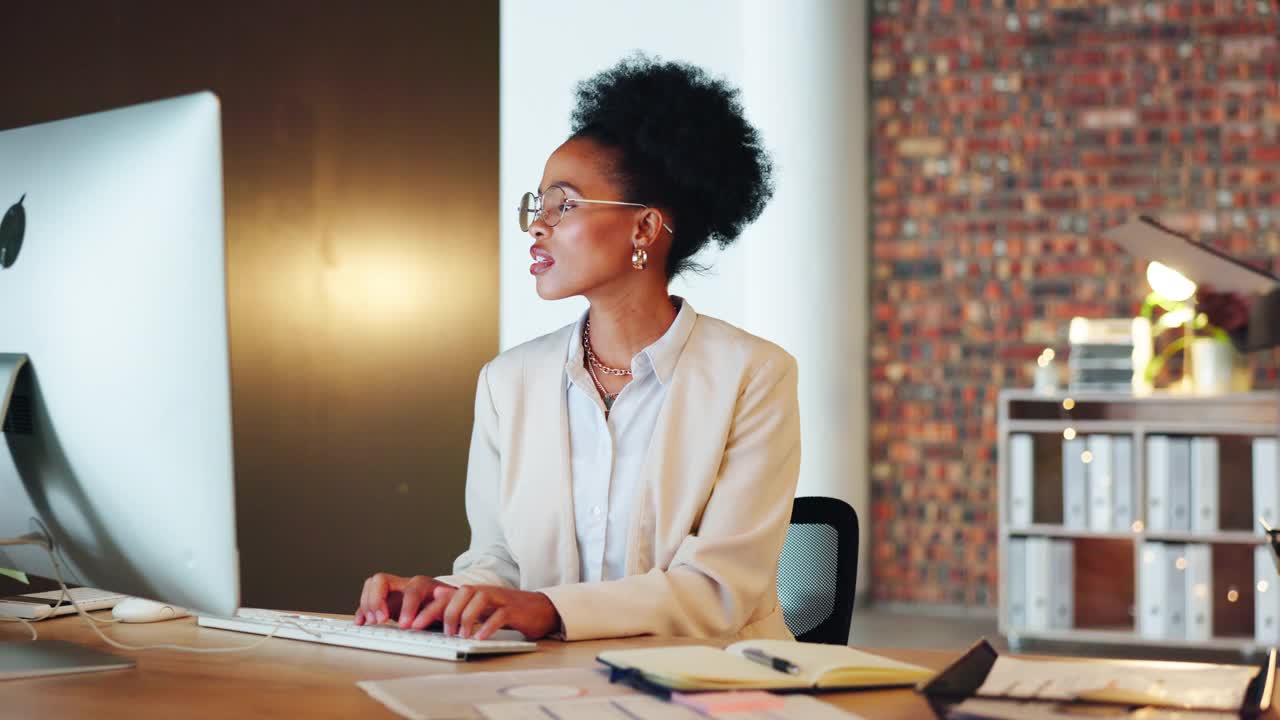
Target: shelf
{"points": [[1127, 637], [1227, 536], [1061, 532], [1108, 565], [1153, 427]]}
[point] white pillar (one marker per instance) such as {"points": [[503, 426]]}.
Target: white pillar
{"points": [[805, 87]]}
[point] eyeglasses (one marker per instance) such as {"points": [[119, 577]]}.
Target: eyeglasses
{"points": [[553, 203]]}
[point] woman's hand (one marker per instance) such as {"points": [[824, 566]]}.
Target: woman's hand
{"points": [[386, 596], [478, 611]]}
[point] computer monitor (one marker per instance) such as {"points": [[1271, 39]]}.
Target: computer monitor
{"points": [[113, 353]]}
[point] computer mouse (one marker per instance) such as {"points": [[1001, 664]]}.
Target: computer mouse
{"points": [[137, 610]]}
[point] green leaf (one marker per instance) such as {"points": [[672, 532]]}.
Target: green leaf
{"points": [[16, 575]]}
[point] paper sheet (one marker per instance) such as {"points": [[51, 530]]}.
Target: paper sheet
{"points": [[644, 707], [1189, 685], [987, 709], [453, 697]]}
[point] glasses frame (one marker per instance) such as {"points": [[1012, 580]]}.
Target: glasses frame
{"points": [[569, 204]]}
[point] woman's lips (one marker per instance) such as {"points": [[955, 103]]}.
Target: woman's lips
{"points": [[542, 261]]}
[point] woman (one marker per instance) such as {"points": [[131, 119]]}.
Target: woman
{"points": [[631, 473]]}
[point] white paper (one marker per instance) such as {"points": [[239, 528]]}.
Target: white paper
{"points": [[1040, 710], [1186, 685], [452, 696], [644, 707]]}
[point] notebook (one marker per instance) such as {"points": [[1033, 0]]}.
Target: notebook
{"points": [[698, 667]]}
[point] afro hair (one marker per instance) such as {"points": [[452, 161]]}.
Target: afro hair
{"points": [[683, 144]]}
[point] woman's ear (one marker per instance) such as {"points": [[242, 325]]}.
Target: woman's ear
{"points": [[648, 228]]}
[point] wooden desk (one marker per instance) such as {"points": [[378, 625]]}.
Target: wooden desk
{"points": [[288, 678]]}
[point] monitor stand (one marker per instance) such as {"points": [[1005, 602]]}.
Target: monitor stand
{"points": [[34, 658], [10, 365]]}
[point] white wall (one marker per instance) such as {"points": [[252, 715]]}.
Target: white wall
{"points": [[798, 276]]}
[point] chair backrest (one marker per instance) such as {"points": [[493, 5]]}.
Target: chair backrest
{"points": [[818, 570]]}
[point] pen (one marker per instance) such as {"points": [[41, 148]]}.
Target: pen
{"points": [[776, 663]]}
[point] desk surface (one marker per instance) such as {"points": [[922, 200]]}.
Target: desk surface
{"points": [[288, 678]]}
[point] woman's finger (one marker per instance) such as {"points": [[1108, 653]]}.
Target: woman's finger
{"points": [[496, 622], [432, 611], [453, 610], [476, 611]]}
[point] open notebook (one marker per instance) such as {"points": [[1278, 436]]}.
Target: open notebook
{"points": [[698, 667]]}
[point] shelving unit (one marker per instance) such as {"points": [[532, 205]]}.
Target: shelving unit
{"points": [[1107, 565]]}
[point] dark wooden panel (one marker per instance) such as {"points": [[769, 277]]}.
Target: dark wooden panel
{"points": [[360, 151]]}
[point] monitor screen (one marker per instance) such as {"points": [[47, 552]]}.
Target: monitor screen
{"points": [[117, 437]]}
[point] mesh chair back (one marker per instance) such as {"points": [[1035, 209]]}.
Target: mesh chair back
{"points": [[818, 570]]}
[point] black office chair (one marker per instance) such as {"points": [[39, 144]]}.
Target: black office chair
{"points": [[818, 570]]}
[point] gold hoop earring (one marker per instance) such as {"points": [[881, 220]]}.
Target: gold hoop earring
{"points": [[639, 258]]}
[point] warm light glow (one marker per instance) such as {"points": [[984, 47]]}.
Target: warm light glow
{"points": [[1045, 358], [1069, 433], [1068, 403], [1086, 457], [1232, 595], [1170, 283], [1137, 526], [1262, 586], [1180, 563], [1148, 555], [1201, 590]]}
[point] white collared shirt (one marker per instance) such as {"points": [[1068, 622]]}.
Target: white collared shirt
{"points": [[606, 454]]}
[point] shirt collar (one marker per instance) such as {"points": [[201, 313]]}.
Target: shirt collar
{"points": [[663, 354]]}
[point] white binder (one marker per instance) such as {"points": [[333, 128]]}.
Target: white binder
{"points": [[1152, 586], [1179, 484], [1175, 601], [1204, 484], [1157, 483], [1266, 598], [1016, 583], [1074, 492], [1021, 470], [1062, 594], [1101, 484], [1266, 482], [1199, 592], [1038, 583], [1122, 483]]}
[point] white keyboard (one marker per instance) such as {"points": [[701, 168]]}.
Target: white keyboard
{"points": [[382, 638], [38, 606]]}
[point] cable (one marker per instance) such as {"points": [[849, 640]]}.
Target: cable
{"points": [[32, 628], [92, 622]]}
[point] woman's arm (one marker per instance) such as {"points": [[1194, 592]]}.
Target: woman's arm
{"points": [[487, 561], [717, 577]]}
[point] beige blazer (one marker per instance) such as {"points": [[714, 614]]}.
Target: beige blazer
{"points": [[711, 509]]}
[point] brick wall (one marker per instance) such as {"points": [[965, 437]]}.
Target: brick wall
{"points": [[1007, 134]]}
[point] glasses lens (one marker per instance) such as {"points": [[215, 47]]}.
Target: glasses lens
{"points": [[528, 211], [552, 205]]}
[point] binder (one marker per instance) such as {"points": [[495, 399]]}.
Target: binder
{"points": [[1266, 598], [1101, 486], [1074, 499], [961, 679], [1179, 484], [1062, 594], [1175, 600], [1016, 583], [1266, 482], [1157, 483], [1152, 584], [1122, 483], [1199, 592], [1204, 484], [1039, 583], [1021, 472]]}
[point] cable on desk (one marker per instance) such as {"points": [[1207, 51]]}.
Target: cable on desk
{"points": [[92, 622]]}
